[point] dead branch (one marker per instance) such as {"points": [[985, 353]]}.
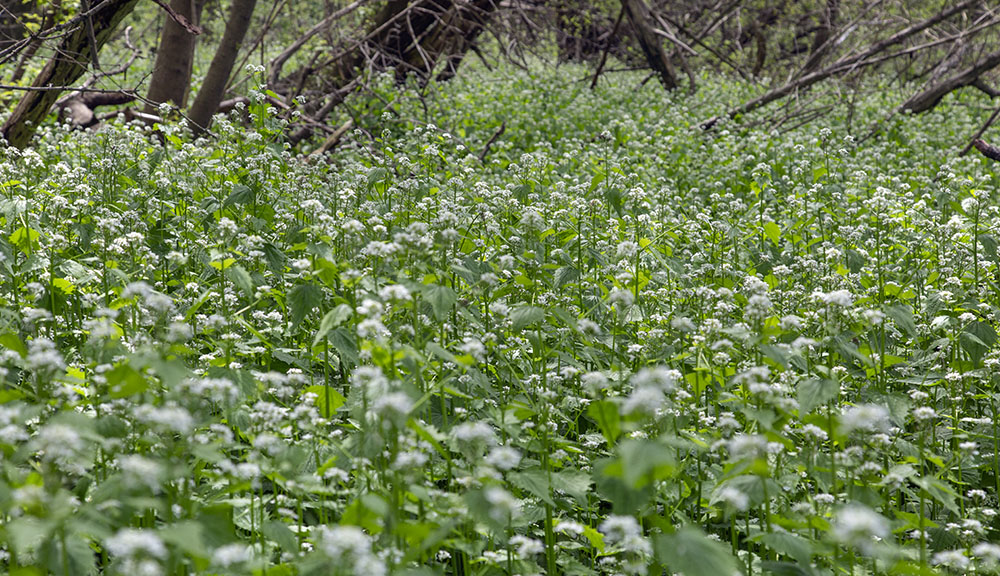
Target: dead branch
{"points": [[842, 65], [990, 151], [493, 138], [928, 98], [639, 16], [607, 48], [980, 132], [80, 109], [279, 61], [180, 19], [331, 142]]}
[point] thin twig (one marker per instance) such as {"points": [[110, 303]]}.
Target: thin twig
{"points": [[493, 138]]}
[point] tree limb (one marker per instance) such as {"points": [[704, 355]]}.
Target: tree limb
{"points": [[180, 19], [990, 151]]}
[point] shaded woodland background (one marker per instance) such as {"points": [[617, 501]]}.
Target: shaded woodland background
{"points": [[188, 57]]}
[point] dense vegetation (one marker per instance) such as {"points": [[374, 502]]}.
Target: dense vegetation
{"points": [[610, 342]]}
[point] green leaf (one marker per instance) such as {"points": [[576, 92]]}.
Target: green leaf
{"points": [[365, 512], [242, 194], [442, 299], [376, 174], [301, 300], [595, 538], [343, 342], [574, 482], [13, 342], [536, 482], [565, 275], [773, 232], [977, 339], [322, 393], [902, 315], [222, 264], [275, 258], [788, 544], [331, 320], [63, 285], [123, 381], [188, 537], [24, 238], [280, 534], [605, 414], [241, 278], [939, 491], [692, 553], [814, 392], [524, 316], [645, 462]]}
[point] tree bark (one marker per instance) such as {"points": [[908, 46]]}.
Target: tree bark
{"points": [[928, 98], [842, 65], [52, 15], [278, 62], [171, 80], [74, 56], [214, 87], [988, 150], [821, 41], [12, 27], [410, 36], [80, 110], [641, 19]]}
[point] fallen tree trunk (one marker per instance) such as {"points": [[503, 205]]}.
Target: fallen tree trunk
{"points": [[843, 65], [80, 109], [410, 37], [75, 52], [279, 61], [990, 151], [928, 98]]}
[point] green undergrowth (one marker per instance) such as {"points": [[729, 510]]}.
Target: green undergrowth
{"points": [[608, 343]]}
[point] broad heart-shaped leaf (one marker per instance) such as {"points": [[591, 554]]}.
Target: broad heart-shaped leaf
{"points": [[187, 537], [939, 491], [13, 342], [611, 485], [645, 461], [325, 395], [787, 544], [123, 381], [524, 316], [442, 299], [565, 275], [331, 320], [773, 232], [691, 552], [902, 315], [977, 339], [536, 482], [815, 392], [275, 258], [302, 299], [574, 482], [605, 414], [627, 479], [242, 194], [241, 278], [279, 533], [343, 342]]}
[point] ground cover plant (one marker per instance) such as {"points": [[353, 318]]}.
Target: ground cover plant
{"points": [[613, 343]]}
